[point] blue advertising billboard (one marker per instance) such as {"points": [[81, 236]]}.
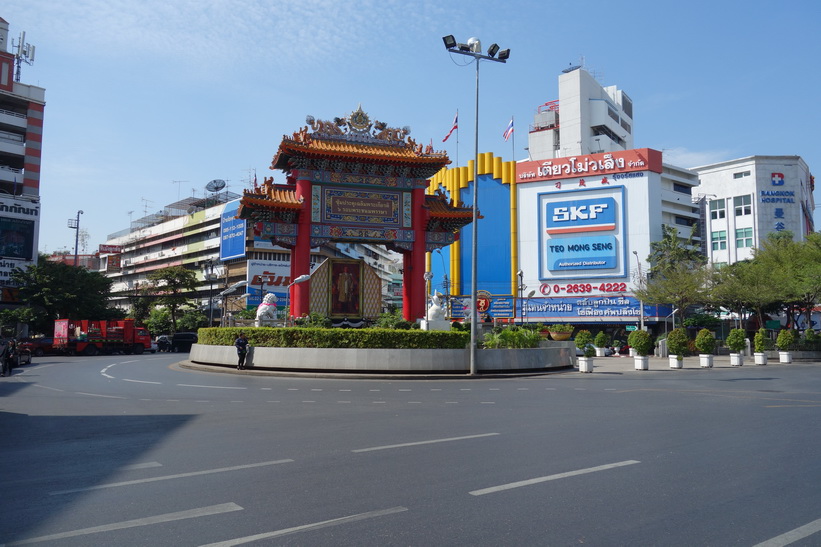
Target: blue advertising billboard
{"points": [[232, 232], [581, 234]]}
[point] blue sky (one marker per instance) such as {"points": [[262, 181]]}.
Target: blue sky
{"points": [[141, 94]]}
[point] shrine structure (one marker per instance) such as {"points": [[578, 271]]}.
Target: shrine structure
{"points": [[354, 180]]}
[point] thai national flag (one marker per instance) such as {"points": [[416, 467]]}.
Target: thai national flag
{"points": [[455, 126], [509, 131]]}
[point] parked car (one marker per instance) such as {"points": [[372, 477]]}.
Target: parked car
{"points": [[38, 346], [182, 341], [607, 351]]}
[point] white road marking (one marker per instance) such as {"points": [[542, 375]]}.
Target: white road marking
{"points": [[141, 381], [487, 403], [167, 517], [519, 484], [211, 387], [98, 395], [417, 443], [793, 535], [145, 465], [46, 387], [169, 477], [308, 527]]}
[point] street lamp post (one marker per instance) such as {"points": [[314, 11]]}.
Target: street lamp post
{"points": [[473, 49], [641, 285], [301, 279], [74, 224], [208, 269], [521, 275]]}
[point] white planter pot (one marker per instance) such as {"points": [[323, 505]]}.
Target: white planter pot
{"points": [[675, 362], [736, 359], [705, 360], [600, 352], [642, 362], [760, 358], [633, 352], [585, 364], [784, 357]]}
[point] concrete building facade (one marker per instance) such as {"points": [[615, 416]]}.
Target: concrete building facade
{"points": [[21, 138], [746, 199]]}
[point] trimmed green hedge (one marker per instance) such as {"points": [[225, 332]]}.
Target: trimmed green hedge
{"points": [[336, 338]]}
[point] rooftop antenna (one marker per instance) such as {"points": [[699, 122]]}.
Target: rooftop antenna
{"points": [[215, 186], [25, 54], [177, 182], [130, 214], [145, 206]]}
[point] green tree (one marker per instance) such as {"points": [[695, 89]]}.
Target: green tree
{"points": [[192, 320], [678, 274], [54, 290], [170, 286], [159, 321]]}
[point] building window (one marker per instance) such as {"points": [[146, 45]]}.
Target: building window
{"points": [[741, 174], [684, 221], [717, 209], [743, 205], [719, 240], [683, 188], [743, 238]]}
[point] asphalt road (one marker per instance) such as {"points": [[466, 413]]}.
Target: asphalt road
{"points": [[134, 450]]}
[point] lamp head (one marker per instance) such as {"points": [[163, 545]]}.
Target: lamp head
{"points": [[474, 45], [493, 50], [450, 41], [504, 55]]}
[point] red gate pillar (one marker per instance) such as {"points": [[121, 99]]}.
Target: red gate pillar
{"points": [[301, 253], [413, 279]]}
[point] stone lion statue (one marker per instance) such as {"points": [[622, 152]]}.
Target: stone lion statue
{"points": [[435, 311], [267, 311]]}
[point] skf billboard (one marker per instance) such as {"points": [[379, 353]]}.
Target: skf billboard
{"points": [[582, 233]]}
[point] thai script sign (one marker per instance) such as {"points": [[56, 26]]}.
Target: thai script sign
{"points": [[642, 159]]}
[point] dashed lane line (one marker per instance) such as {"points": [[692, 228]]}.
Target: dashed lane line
{"points": [[537, 480], [793, 535], [157, 519], [418, 443], [168, 477], [307, 527]]}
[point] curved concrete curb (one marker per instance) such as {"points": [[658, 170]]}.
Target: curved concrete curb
{"points": [[381, 362]]}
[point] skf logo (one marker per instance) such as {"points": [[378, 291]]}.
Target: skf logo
{"points": [[589, 215], [778, 179]]}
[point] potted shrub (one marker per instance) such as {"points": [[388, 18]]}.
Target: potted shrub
{"points": [[584, 341], [641, 342], [706, 345], [760, 343], [601, 341], [785, 342], [736, 342], [616, 344], [560, 331], [677, 346]]}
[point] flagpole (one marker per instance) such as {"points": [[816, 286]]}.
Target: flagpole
{"points": [[513, 141], [457, 138]]}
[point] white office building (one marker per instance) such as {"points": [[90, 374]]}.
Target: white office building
{"points": [[746, 199]]}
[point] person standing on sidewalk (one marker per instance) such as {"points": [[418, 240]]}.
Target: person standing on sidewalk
{"points": [[241, 344], [5, 360]]}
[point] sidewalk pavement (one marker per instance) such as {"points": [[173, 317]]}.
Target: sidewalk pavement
{"points": [[625, 363]]}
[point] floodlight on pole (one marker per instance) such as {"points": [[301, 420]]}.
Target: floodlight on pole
{"points": [[74, 224], [301, 279], [474, 49]]}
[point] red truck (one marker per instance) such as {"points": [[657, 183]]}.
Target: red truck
{"points": [[90, 337]]}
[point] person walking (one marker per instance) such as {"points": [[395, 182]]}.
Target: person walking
{"points": [[5, 364], [241, 344]]}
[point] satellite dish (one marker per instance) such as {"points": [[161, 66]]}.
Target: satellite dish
{"points": [[215, 185]]}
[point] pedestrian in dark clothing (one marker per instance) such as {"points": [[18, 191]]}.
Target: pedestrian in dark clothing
{"points": [[241, 344], [5, 364]]}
